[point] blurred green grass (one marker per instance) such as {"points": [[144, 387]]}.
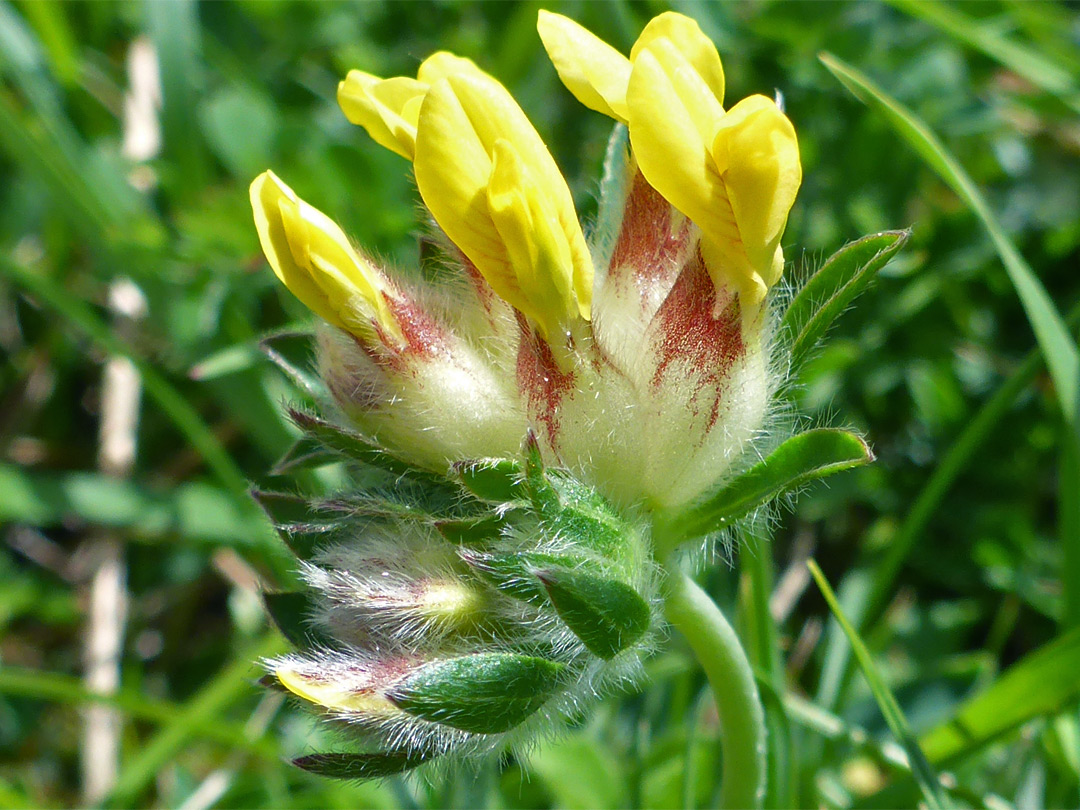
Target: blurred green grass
{"points": [[968, 517]]}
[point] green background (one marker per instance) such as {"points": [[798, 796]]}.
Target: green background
{"points": [[990, 575]]}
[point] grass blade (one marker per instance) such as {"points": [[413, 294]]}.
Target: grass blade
{"points": [[82, 317], [79, 315], [924, 774], [174, 28], [870, 588], [225, 688], [196, 512], [987, 39], [56, 687], [1060, 350], [1041, 684], [1069, 532]]}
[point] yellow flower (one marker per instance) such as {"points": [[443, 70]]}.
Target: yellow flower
{"points": [[313, 258], [488, 180], [735, 174], [491, 184], [389, 108], [652, 384]]}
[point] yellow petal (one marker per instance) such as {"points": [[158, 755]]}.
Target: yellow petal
{"points": [[540, 282], [461, 119], [443, 65], [328, 694], [728, 267], [452, 167], [386, 108], [688, 40], [591, 69], [695, 96], [757, 154], [668, 144], [313, 258]]}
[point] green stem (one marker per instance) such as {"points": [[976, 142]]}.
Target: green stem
{"points": [[742, 719]]}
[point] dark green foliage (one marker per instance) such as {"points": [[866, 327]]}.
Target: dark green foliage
{"points": [[360, 766]]}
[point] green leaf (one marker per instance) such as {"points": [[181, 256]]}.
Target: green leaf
{"points": [[801, 459], [280, 346], [606, 614], [292, 612], [1041, 684], [1060, 350], [487, 693], [304, 454], [833, 287], [569, 508], [301, 527], [615, 183], [471, 531], [360, 766], [347, 443], [515, 574], [927, 779], [490, 479]]}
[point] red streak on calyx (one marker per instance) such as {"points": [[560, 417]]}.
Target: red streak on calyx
{"points": [[646, 245], [423, 336], [540, 380], [697, 333]]}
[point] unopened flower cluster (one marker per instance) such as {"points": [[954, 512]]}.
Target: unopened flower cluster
{"points": [[543, 397]]}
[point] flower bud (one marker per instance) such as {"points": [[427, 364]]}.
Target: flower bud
{"points": [[606, 614], [313, 258], [487, 693]]}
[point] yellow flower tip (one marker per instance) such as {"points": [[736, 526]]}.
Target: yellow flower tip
{"points": [[591, 69], [539, 277], [680, 32], [443, 65], [312, 257], [386, 108], [331, 695], [493, 187], [389, 108], [756, 153], [735, 174]]}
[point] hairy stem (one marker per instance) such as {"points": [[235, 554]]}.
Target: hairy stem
{"points": [[742, 719]]}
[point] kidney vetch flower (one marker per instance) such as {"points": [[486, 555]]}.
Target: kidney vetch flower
{"points": [[543, 412]]}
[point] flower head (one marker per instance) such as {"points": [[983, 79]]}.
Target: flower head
{"points": [[635, 361], [734, 173]]}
